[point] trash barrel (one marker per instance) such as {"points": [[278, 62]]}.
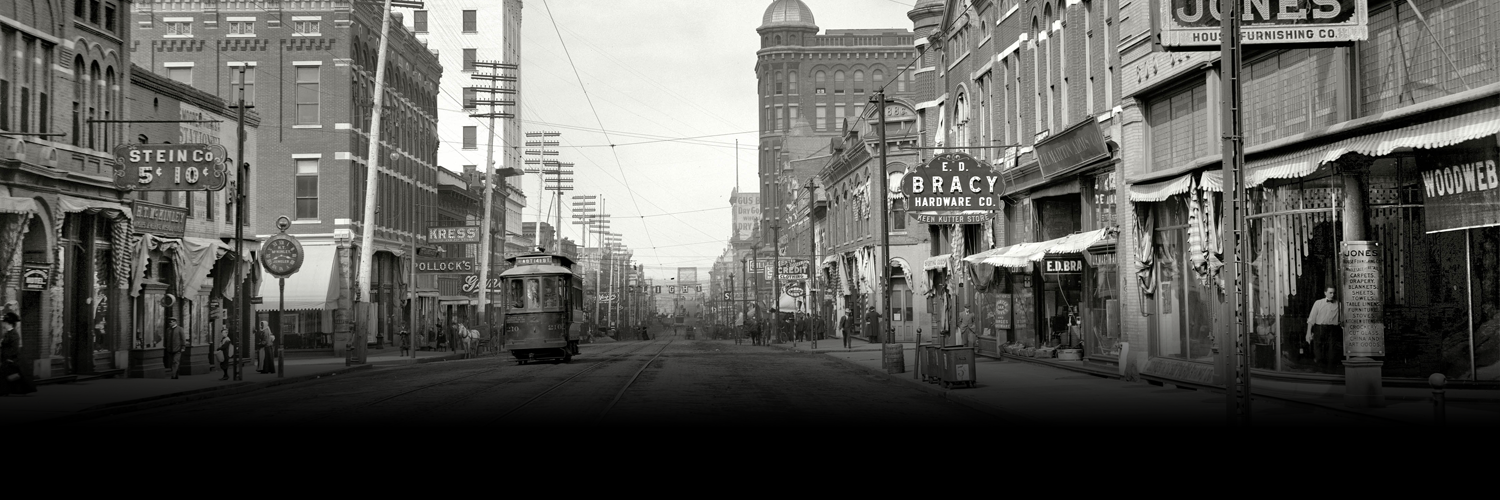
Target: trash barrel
{"points": [[957, 366], [929, 358]]}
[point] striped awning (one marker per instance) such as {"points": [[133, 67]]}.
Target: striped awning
{"points": [[1434, 134], [936, 262], [979, 257], [13, 205], [1018, 255], [1075, 243], [1160, 191], [1212, 180]]}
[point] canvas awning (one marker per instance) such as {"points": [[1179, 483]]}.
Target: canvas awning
{"points": [[13, 205], [1434, 134], [1160, 191], [1212, 180], [1075, 243], [312, 287]]}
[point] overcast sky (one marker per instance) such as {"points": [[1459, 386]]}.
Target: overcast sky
{"points": [[671, 83]]}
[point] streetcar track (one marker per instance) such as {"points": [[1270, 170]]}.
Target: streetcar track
{"points": [[591, 368]]}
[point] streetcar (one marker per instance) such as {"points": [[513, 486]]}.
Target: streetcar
{"points": [[543, 300]]}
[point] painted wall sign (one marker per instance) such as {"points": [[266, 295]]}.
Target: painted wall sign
{"points": [[1062, 265], [951, 184], [1364, 326], [36, 278], [159, 220], [446, 266], [1072, 148], [171, 167], [461, 234], [1194, 24], [1462, 188]]}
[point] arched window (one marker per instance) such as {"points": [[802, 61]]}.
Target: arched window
{"points": [[96, 84], [820, 82], [877, 79], [80, 97], [961, 120], [1036, 87], [778, 39], [110, 89], [859, 81], [1049, 69], [780, 82], [791, 82], [838, 82]]}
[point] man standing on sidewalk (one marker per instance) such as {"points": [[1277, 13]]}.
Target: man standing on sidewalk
{"points": [[172, 346], [1323, 331], [872, 325]]}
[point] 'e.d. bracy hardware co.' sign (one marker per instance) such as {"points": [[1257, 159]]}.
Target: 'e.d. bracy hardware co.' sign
{"points": [[950, 187], [1194, 24]]}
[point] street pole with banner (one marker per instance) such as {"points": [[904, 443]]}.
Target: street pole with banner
{"points": [[281, 256]]}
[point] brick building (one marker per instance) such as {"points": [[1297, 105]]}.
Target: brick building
{"points": [[309, 70], [810, 86], [65, 260]]}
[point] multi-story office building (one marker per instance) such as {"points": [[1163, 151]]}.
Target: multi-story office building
{"points": [[64, 225], [308, 67], [461, 33]]}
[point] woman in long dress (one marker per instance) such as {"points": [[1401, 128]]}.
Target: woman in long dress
{"points": [[265, 342]]}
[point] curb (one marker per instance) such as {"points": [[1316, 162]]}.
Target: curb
{"points": [[192, 395]]}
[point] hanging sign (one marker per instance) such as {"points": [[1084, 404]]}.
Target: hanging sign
{"points": [[446, 266], [1462, 189], [160, 220], [36, 278], [1364, 327], [1061, 265], [171, 167], [1194, 24], [952, 188]]}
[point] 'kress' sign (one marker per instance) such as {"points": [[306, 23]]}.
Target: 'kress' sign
{"points": [[952, 183], [1194, 24]]}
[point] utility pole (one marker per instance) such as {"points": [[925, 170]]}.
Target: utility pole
{"points": [[372, 165], [544, 164], [491, 92], [241, 175], [1234, 342], [885, 233]]}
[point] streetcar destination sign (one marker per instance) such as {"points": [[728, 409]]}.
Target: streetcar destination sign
{"points": [[1194, 24], [171, 167]]}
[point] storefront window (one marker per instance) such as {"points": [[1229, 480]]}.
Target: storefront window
{"points": [[1186, 308], [1294, 235], [1102, 319], [1063, 295]]}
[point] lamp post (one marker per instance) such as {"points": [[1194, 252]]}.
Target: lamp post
{"points": [[814, 308]]}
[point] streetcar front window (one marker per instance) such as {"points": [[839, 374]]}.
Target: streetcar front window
{"points": [[549, 293], [533, 293], [517, 295]]}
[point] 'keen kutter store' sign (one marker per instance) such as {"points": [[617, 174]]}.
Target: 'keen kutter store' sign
{"points": [[1194, 24]]}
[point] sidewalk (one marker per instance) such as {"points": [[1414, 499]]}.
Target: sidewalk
{"points": [[1037, 393], [60, 403]]}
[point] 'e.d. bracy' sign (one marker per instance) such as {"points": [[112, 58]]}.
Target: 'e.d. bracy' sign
{"points": [[950, 184], [171, 167], [1194, 24]]}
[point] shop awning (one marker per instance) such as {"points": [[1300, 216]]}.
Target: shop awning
{"points": [[979, 257], [1160, 191], [1069, 187], [313, 287], [1018, 255], [13, 205], [72, 205], [1434, 134], [830, 259], [936, 262], [1075, 243], [1212, 180]]}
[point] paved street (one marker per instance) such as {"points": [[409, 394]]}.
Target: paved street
{"points": [[691, 383]]}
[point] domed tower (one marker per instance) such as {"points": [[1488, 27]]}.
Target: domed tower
{"points": [[786, 22], [927, 18]]}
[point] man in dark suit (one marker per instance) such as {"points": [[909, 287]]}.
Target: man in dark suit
{"points": [[173, 346]]}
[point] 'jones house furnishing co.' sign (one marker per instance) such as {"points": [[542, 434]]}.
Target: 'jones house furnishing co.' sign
{"points": [[1194, 24]]}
